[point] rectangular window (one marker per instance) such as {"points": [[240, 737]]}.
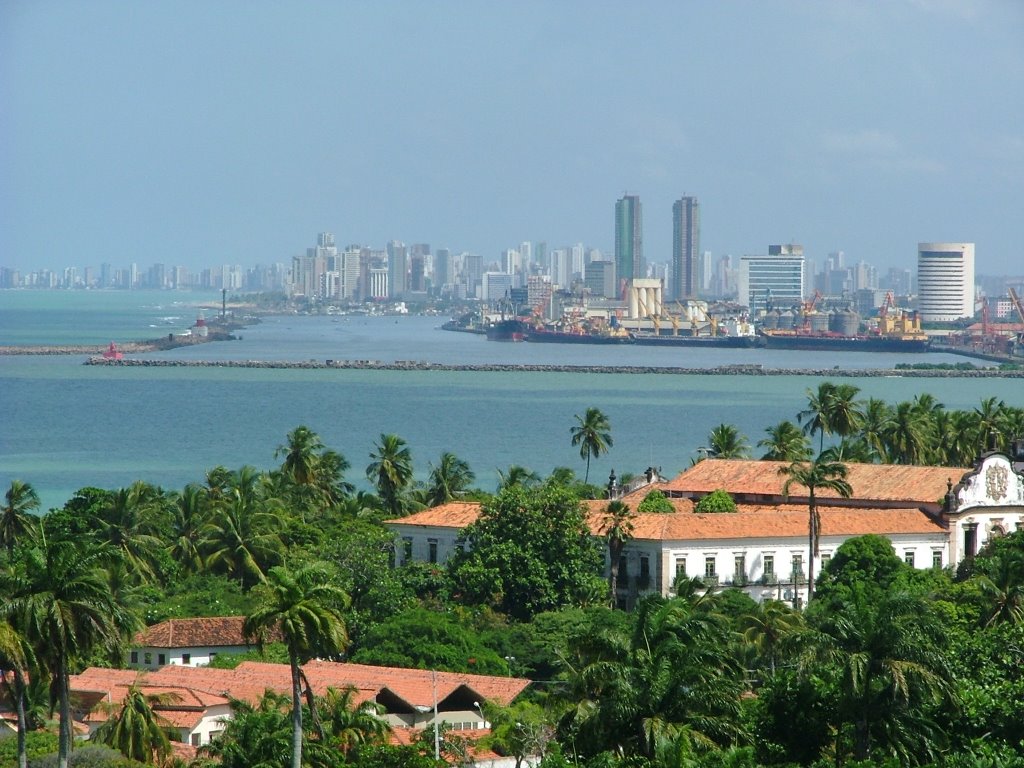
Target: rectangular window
{"points": [[147, 658], [709, 566], [406, 550], [680, 566], [908, 557], [161, 659], [825, 560], [135, 657], [645, 570], [798, 567], [432, 547], [937, 558], [623, 569], [186, 659], [739, 568], [769, 565], [195, 739]]}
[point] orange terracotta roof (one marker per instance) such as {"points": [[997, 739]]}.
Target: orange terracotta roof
{"points": [[250, 679], [454, 514], [781, 521], [194, 633], [870, 482]]}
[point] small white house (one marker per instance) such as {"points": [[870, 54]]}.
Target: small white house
{"points": [[188, 642]]}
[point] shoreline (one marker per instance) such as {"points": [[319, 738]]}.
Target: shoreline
{"points": [[409, 365]]}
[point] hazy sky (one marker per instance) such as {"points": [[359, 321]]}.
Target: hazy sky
{"points": [[200, 133]]}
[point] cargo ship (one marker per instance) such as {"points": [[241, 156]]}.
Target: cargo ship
{"points": [[831, 341], [732, 342], [580, 336], [511, 329]]}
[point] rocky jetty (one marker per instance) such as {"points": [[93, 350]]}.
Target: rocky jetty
{"points": [[410, 365]]}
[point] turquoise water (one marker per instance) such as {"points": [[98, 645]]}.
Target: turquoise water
{"points": [[65, 425]]}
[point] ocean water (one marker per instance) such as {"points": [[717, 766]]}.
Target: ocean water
{"points": [[64, 425]]}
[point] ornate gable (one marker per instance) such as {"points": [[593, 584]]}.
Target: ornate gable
{"points": [[992, 484]]}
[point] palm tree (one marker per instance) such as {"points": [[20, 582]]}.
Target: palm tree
{"points": [[134, 729], [815, 416], [128, 522], [1001, 582], [820, 474], [785, 442], [875, 425], [17, 522], [391, 471], [15, 657], [62, 600], [349, 725], [241, 538], [450, 479], [592, 434], [301, 454], [887, 653], [908, 438], [726, 442], [517, 475], [832, 409], [189, 516], [770, 628], [306, 609], [617, 527]]}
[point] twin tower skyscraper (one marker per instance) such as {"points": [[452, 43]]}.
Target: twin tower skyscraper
{"points": [[629, 245]]}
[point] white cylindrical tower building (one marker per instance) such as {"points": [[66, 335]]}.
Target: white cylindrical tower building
{"points": [[945, 281]]}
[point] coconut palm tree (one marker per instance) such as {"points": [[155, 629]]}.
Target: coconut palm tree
{"points": [[820, 474], [15, 658], [62, 601], [517, 475], [306, 609], [449, 480], [391, 471], [815, 416], [886, 654], [726, 442], [771, 628], [833, 409], [134, 729], [189, 515], [17, 523], [1000, 579], [617, 527], [348, 725], [129, 522], [592, 434], [785, 442], [909, 436], [301, 453], [241, 538]]}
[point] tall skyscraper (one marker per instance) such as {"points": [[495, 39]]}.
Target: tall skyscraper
{"points": [[629, 239], [775, 281], [945, 281], [685, 248]]}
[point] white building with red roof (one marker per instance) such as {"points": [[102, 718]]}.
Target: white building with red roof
{"points": [[762, 548], [189, 642]]}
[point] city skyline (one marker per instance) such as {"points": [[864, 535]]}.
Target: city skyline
{"points": [[872, 128]]}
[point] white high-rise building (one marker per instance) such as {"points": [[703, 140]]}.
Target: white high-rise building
{"points": [[945, 281], [775, 281]]}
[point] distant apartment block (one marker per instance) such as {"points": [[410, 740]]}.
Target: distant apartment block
{"points": [[945, 281], [775, 281]]}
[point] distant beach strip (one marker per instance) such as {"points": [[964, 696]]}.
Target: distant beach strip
{"points": [[410, 365]]}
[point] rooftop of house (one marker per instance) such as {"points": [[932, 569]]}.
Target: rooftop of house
{"points": [[216, 631], [870, 482], [415, 687]]}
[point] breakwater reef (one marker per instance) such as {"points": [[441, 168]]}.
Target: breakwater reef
{"points": [[410, 365]]}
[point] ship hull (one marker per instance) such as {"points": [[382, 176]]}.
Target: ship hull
{"points": [[732, 342], [559, 337], [507, 330], [830, 343]]}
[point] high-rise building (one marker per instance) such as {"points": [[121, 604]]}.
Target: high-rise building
{"points": [[685, 248], [398, 269], [629, 239], [945, 281], [774, 281]]}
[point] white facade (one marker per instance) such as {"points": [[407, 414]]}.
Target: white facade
{"points": [[778, 280], [945, 281], [152, 657]]}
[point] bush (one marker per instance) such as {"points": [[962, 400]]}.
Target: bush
{"points": [[88, 756], [655, 502], [716, 501]]}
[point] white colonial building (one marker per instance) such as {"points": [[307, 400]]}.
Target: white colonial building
{"points": [[934, 517], [189, 642]]}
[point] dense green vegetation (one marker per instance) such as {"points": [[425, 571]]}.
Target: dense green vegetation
{"points": [[887, 666]]}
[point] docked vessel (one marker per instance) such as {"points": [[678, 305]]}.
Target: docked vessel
{"points": [[576, 336], [511, 329], [831, 341], [732, 342]]}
